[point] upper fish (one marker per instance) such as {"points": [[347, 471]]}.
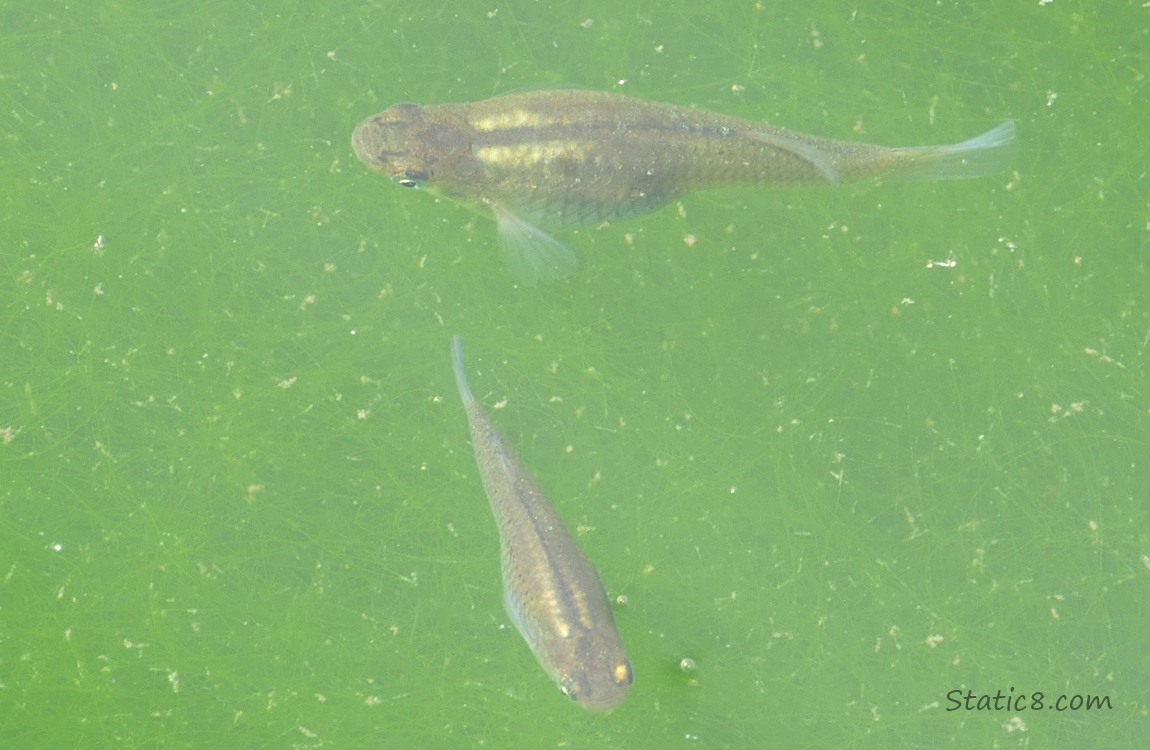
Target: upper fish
{"points": [[565, 158], [550, 589]]}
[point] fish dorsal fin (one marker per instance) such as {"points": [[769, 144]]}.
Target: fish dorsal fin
{"points": [[805, 151]]}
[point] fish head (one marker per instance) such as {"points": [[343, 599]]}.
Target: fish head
{"points": [[601, 681], [408, 143]]}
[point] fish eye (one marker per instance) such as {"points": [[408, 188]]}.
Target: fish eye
{"points": [[569, 688], [410, 178]]}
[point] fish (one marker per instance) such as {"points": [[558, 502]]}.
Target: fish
{"points": [[543, 160], [550, 589]]}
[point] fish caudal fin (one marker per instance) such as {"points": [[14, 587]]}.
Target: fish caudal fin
{"points": [[977, 157], [460, 373], [532, 254]]}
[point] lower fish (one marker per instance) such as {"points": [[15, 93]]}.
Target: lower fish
{"points": [[544, 160], [550, 589]]}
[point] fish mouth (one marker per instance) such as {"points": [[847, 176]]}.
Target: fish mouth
{"points": [[377, 145], [363, 144]]}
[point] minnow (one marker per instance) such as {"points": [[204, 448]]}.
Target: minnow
{"points": [[545, 160], [550, 589]]}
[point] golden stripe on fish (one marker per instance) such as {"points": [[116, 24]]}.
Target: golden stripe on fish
{"points": [[519, 118], [555, 611], [527, 154]]}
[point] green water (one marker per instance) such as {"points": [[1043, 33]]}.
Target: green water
{"points": [[847, 449]]}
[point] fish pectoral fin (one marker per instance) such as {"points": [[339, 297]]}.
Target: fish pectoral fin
{"points": [[805, 151], [532, 254]]}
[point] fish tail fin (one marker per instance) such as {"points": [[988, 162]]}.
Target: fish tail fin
{"points": [[976, 157], [460, 373]]}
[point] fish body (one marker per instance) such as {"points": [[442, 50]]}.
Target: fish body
{"points": [[550, 589], [568, 158]]}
